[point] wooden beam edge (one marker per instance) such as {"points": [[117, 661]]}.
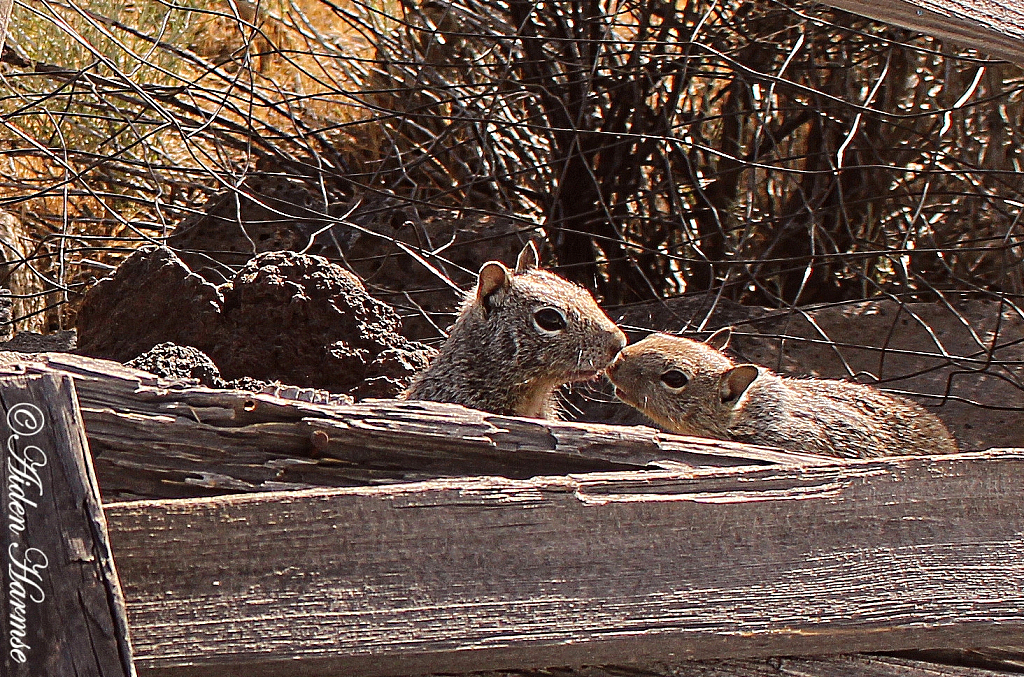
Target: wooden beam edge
{"points": [[626, 501], [970, 23]]}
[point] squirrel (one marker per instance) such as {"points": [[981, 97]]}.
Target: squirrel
{"points": [[691, 388], [519, 336]]}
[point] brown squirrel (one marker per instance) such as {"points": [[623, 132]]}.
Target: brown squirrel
{"points": [[691, 388], [519, 336]]}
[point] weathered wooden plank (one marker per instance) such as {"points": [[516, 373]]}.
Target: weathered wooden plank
{"points": [[995, 28], [1000, 658], [823, 666], [484, 573], [63, 606], [156, 438]]}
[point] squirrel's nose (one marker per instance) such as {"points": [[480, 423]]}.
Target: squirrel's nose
{"points": [[617, 343], [613, 366]]}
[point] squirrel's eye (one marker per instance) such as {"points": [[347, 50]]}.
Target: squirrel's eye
{"points": [[674, 379], [549, 319]]}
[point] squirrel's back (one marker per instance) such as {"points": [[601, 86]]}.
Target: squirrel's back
{"points": [[836, 418], [692, 388], [519, 336]]}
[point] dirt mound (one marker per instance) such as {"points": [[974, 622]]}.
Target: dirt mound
{"points": [[287, 317], [371, 235], [179, 362], [151, 298]]}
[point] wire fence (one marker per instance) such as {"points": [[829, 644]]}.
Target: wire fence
{"points": [[777, 155]]}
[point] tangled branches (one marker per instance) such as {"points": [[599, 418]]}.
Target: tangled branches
{"points": [[778, 153]]}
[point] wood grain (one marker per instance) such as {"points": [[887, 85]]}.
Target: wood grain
{"points": [[821, 666], [156, 438], [995, 28], [486, 573], [63, 607]]}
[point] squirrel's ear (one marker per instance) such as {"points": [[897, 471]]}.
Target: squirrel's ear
{"points": [[528, 258], [735, 382], [493, 276], [720, 339]]}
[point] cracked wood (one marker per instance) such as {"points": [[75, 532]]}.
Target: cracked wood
{"points": [[155, 438], [486, 573]]}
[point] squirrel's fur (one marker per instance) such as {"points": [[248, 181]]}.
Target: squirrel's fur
{"points": [[508, 351], [691, 388]]}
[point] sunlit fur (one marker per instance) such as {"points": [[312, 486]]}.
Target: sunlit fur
{"points": [[497, 360], [836, 418]]}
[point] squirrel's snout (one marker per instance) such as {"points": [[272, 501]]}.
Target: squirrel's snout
{"points": [[616, 343], [613, 366]]}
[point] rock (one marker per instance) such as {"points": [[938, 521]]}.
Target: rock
{"points": [[151, 298], [253, 385], [6, 315], [179, 362], [63, 341], [30, 300], [268, 212]]}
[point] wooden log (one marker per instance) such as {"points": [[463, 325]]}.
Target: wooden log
{"points": [[486, 573], [64, 610], [990, 27], [156, 438]]}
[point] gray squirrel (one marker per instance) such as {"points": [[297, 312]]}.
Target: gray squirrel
{"points": [[519, 336], [691, 388]]}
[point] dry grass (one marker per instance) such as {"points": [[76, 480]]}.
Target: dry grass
{"points": [[780, 152], [128, 124]]}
